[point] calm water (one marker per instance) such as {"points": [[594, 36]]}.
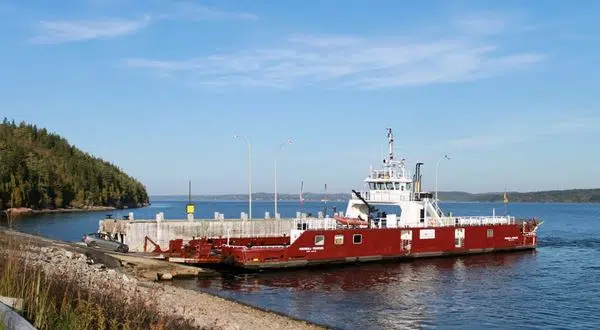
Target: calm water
{"points": [[557, 286]]}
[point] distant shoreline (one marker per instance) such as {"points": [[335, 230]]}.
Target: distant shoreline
{"points": [[21, 211], [576, 196], [167, 199]]}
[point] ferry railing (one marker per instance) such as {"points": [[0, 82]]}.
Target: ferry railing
{"points": [[477, 220], [331, 224], [384, 196], [437, 209], [315, 223]]}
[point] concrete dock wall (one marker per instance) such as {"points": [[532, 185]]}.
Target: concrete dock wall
{"points": [[161, 232]]}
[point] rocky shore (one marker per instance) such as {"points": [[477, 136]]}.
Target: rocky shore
{"points": [[203, 310], [25, 210]]}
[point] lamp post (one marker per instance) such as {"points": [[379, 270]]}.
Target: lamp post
{"points": [[436, 175], [237, 136], [289, 141]]}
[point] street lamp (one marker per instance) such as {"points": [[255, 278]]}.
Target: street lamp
{"points": [[289, 141], [237, 136], [436, 175]]}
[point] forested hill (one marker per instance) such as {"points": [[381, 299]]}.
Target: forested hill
{"points": [[41, 170], [548, 196]]}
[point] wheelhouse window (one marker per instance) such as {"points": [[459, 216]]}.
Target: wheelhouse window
{"points": [[390, 186], [319, 240], [397, 185], [338, 240], [357, 238]]}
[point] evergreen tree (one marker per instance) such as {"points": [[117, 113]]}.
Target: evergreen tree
{"points": [[41, 170]]}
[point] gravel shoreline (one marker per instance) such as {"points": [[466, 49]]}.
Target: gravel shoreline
{"points": [[204, 310]]}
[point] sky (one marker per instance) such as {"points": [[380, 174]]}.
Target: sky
{"points": [[507, 89]]}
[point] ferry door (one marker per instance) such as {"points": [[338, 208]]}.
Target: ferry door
{"points": [[459, 237], [406, 240]]}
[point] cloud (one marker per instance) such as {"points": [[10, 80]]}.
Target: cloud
{"points": [[61, 31], [52, 32], [349, 61], [527, 131], [192, 11]]}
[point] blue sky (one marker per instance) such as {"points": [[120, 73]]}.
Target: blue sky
{"points": [[508, 89]]}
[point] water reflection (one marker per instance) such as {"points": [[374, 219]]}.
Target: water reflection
{"points": [[377, 295]]}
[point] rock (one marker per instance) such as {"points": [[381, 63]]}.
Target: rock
{"points": [[15, 303], [125, 278], [69, 254], [164, 276]]}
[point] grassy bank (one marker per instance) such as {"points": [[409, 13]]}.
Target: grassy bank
{"points": [[61, 302]]}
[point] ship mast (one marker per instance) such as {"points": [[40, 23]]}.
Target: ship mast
{"points": [[390, 136]]}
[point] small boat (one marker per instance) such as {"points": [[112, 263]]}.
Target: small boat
{"points": [[350, 221]]}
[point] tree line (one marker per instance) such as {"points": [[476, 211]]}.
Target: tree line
{"points": [[41, 170], [548, 196]]}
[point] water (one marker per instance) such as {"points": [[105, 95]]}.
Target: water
{"points": [[556, 286]]}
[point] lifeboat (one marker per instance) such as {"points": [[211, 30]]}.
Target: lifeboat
{"points": [[351, 221]]}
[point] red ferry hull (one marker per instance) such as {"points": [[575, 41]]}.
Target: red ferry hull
{"points": [[380, 244]]}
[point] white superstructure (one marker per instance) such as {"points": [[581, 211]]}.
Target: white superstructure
{"points": [[393, 185]]}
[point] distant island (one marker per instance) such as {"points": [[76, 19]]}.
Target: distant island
{"points": [[547, 196], [258, 196], [550, 196], [42, 171]]}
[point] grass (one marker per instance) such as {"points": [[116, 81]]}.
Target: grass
{"points": [[56, 302]]}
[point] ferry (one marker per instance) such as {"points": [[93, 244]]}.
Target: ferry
{"points": [[418, 228]]}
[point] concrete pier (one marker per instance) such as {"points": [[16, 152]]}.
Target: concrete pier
{"points": [[134, 232]]}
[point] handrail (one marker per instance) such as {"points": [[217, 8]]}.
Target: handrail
{"points": [[385, 195], [331, 224]]}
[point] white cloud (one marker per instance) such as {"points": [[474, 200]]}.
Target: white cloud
{"points": [[52, 32], [350, 61], [192, 11], [61, 31], [527, 131]]}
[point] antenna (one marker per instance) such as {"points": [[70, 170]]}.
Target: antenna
{"points": [[325, 208], [391, 144], [505, 201], [301, 199]]}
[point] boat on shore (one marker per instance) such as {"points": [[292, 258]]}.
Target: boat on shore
{"points": [[420, 228]]}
